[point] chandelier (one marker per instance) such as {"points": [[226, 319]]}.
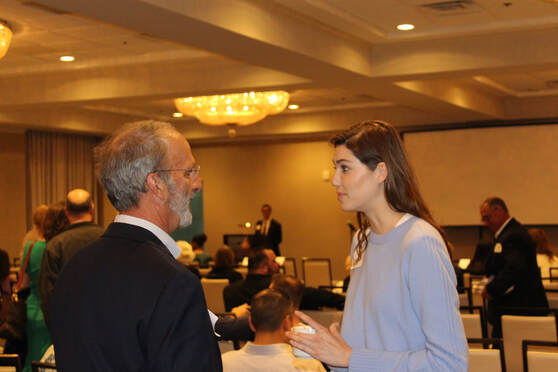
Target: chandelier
{"points": [[5, 38], [238, 108]]}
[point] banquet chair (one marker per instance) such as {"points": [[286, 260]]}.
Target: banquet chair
{"points": [[325, 317], [552, 297], [10, 363], [539, 361], [484, 359], [516, 328], [213, 290], [316, 272], [474, 321], [290, 267], [42, 367]]}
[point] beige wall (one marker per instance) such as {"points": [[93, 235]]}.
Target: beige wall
{"points": [[12, 194], [238, 179]]}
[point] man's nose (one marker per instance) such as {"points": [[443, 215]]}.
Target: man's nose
{"points": [[197, 185]]}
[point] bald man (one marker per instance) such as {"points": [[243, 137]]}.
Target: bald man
{"points": [[59, 250]]}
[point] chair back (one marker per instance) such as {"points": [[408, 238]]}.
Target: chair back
{"points": [[552, 297], [325, 317], [289, 266], [472, 325], [516, 328], [539, 361], [483, 359], [213, 290], [474, 321], [10, 363], [43, 367], [316, 272]]}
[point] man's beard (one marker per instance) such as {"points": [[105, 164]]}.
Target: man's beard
{"points": [[180, 204]]}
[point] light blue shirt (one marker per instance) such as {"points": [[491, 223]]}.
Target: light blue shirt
{"points": [[402, 307]]}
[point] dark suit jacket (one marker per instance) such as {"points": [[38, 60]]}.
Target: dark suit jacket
{"points": [[515, 265], [124, 303], [242, 291], [274, 235]]}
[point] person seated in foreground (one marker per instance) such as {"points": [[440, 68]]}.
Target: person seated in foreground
{"points": [[224, 263], [271, 316]]}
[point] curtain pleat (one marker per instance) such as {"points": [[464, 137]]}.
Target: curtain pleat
{"points": [[56, 164]]}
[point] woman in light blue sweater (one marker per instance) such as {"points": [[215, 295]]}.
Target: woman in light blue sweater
{"points": [[402, 307]]}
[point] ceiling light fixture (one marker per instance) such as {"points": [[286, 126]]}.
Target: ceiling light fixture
{"points": [[293, 107], [237, 108], [67, 58], [5, 37], [405, 27]]}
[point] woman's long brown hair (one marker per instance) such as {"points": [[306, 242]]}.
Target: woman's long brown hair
{"points": [[373, 142]]}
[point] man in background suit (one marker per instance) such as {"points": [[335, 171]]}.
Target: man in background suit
{"points": [[80, 211], [268, 231], [124, 303], [515, 279]]}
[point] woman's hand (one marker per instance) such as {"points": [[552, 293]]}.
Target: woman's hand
{"points": [[326, 345]]}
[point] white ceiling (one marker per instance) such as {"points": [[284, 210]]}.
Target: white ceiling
{"points": [[341, 60]]}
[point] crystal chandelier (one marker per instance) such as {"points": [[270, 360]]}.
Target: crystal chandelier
{"points": [[238, 108], [5, 38]]}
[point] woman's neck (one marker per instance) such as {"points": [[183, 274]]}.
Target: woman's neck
{"points": [[383, 218]]}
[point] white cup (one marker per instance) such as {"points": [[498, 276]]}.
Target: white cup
{"points": [[302, 329]]}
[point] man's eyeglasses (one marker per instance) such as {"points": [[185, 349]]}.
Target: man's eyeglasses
{"points": [[191, 173]]}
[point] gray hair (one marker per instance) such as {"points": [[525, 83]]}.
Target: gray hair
{"points": [[124, 160]]}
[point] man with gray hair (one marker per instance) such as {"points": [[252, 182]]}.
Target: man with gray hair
{"points": [[124, 303], [80, 210]]}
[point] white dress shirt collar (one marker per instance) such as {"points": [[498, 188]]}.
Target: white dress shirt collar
{"points": [[502, 228], [156, 230]]}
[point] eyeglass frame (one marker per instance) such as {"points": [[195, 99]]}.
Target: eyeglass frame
{"points": [[192, 173]]}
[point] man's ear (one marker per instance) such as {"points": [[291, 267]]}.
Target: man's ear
{"points": [[251, 324], [288, 322], [156, 186]]}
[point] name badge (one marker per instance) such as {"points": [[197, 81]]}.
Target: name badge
{"points": [[498, 248]]}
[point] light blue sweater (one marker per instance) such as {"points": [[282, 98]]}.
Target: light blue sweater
{"points": [[402, 307]]}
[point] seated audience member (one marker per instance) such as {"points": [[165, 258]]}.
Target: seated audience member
{"points": [[202, 257], [244, 250], [224, 263], [187, 257], [545, 254], [270, 318], [258, 278], [5, 273], [14, 341], [307, 298]]}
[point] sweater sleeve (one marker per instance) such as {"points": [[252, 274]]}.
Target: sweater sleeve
{"points": [[431, 283]]}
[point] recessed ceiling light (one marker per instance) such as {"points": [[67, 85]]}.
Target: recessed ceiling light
{"points": [[67, 58], [177, 115], [293, 107], [405, 27]]}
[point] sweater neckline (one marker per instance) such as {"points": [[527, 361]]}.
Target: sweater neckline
{"points": [[382, 238]]}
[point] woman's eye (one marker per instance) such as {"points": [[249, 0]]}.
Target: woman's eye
{"points": [[344, 168]]}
